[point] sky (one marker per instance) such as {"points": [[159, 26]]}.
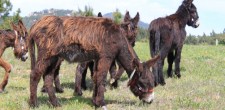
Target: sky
{"points": [[211, 12]]}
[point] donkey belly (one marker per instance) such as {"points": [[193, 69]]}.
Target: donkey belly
{"points": [[76, 54]]}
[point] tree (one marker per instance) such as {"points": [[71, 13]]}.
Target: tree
{"points": [[5, 8], [8, 19], [88, 11], [117, 16], [213, 34]]}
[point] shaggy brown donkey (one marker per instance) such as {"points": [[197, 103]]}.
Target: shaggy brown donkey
{"points": [[167, 37], [81, 71], [15, 38], [82, 74], [79, 39]]}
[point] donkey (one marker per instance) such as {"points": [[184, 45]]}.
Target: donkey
{"points": [[167, 37], [79, 39], [15, 38], [81, 70]]}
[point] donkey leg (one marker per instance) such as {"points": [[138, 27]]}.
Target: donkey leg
{"points": [[58, 87], [100, 81], [160, 72], [170, 59], [78, 78], [35, 77], [49, 81], [163, 53], [7, 68], [112, 71], [118, 75], [177, 61], [84, 74], [44, 89]]}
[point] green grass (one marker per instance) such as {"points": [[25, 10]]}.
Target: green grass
{"points": [[202, 85]]}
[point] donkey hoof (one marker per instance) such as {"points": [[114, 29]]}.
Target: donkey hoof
{"points": [[43, 89], [1, 91], [33, 104], [178, 75], [114, 85], [57, 104], [84, 87], [77, 93], [104, 108], [163, 83], [112, 81], [59, 90]]}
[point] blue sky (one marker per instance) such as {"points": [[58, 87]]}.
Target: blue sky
{"points": [[211, 12]]}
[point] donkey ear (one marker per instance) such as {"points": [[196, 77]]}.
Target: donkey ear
{"points": [[152, 61], [13, 26], [187, 2], [127, 16], [137, 18], [99, 14], [20, 23], [138, 65]]}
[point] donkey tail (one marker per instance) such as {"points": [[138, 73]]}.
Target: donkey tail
{"points": [[157, 42], [31, 46], [154, 43]]}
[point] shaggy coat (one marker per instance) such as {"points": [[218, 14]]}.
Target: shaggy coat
{"points": [[167, 37], [79, 39], [16, 39]]}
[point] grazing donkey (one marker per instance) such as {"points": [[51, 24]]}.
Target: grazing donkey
{"points": [[15, 38], [167, 37], [81, 71], [79, 39]]}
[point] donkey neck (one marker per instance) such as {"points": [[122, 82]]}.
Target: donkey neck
{"points": [[126, 57], [182, 15], [8, 37]]}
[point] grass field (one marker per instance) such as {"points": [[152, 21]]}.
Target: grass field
{"points": [[202, 85]]}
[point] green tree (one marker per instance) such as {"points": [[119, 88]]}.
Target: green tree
{"points": [[213, 34], [7, 20], [5, 8], [88, 11], [117, 16], [143, 34]]}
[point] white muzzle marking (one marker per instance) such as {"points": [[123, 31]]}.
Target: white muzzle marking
{"points": [[197, 23], [149, 98]]}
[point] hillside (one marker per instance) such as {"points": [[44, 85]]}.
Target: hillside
{"points": [[34, 16]]}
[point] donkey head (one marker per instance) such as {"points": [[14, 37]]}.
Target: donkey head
{"points": [[193, 14], [130, 27], [20, 47], [99, 14], [142, 80]]}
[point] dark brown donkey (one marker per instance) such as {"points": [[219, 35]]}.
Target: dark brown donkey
{"points": [[81, 71], [15, 38], [167, 37], [79, 39]]}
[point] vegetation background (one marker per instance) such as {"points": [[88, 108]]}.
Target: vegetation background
{"points": [[202, 85]]}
